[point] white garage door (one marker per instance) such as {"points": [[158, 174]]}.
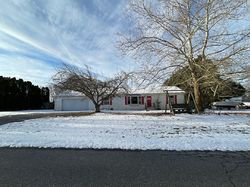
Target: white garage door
{"points": [[75, 104]]}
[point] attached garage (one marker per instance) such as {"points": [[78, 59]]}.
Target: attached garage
{"points": [[75, 104]]}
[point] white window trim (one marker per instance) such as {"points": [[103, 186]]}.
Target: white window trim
{"points": [[138, 100]]}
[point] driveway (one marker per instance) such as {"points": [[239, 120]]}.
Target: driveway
{"points": [[62, 167], [22, 117]]}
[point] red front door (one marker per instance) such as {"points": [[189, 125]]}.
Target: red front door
{"points": [[149, 101]]}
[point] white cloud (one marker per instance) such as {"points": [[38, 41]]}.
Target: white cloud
{"points": [[76, 32], [27, 69]]}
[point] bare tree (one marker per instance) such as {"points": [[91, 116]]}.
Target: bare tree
{"points": [[169, 34], [213, 87], [71, 78]]}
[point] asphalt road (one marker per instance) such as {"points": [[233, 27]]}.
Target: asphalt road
{"points": [[62, 167]]}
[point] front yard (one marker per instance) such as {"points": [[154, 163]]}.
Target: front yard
{"points": [[121, 131]]}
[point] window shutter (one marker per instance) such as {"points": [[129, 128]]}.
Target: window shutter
{"points": [[126, 100], [175, 99], [110, 101], [142, 100]]}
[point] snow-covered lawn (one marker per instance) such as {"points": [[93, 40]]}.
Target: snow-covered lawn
{"points": [[104, 130], [240, 111], [27, 112]]}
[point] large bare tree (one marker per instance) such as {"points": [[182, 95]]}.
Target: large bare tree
{"points": [[213, 87], [169, 34], [71, 78]]}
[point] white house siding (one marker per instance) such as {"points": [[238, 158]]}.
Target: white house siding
{"points": [[118, 103], [180, 98], [159, 100], [80, 103], [58, 103]]}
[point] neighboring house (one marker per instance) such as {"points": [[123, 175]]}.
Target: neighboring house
{"points": [[150, 99]]}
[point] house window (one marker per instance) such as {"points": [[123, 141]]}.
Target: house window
{"points": [[105, 102], [171, 98], [134, 100]]}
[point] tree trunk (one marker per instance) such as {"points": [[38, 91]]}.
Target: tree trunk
{"points": [[197, 96], [97, 108]]}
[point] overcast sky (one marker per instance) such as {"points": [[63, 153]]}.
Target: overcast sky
{"points": [[36, 36]]}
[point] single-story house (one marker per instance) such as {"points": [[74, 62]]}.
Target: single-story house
{"points": [[150, 99]]}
